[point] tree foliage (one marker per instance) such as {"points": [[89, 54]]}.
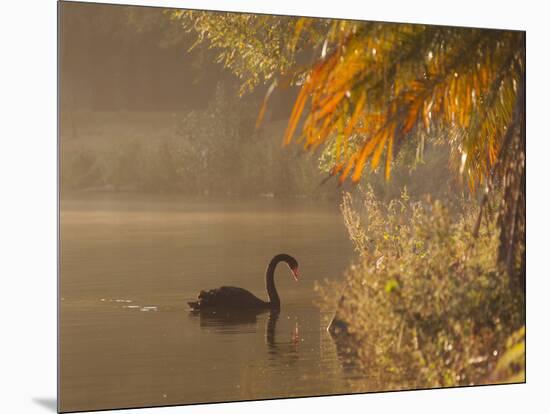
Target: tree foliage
{"points": [[366, 88], [256, 48]]}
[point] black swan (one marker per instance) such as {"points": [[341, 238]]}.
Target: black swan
{"points": [[229, 297]]}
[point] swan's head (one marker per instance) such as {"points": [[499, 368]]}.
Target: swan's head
{"points": [[293, 265], [289, 260], [295, 273]]}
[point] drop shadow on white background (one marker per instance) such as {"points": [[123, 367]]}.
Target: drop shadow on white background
{"points": [[46, 402]]}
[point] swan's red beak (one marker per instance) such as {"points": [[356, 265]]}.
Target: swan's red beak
{"points": [[295, 273]]}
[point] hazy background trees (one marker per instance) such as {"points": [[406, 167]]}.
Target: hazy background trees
{"points": [[140, 113]]}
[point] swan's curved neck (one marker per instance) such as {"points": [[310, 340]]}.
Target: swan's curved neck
{"points": [[270, 328], [274, 300]]}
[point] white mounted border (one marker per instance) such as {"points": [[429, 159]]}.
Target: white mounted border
{"points": [[28, 204]]}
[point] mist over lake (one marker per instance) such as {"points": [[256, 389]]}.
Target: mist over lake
{"points": [[131, 262]]}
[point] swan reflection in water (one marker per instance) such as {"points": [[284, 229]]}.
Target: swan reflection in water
{"points": [[232, 321], [235, 321]]}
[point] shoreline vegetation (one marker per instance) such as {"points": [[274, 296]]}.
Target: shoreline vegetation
{"points": [[425, 304]]}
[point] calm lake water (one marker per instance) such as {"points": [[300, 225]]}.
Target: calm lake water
{"points": [[130, 263]]}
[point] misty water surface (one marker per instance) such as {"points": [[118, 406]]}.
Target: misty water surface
{"points": [[129, 263]]}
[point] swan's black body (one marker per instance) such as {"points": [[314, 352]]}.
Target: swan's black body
{"points": [[229, 297]]}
